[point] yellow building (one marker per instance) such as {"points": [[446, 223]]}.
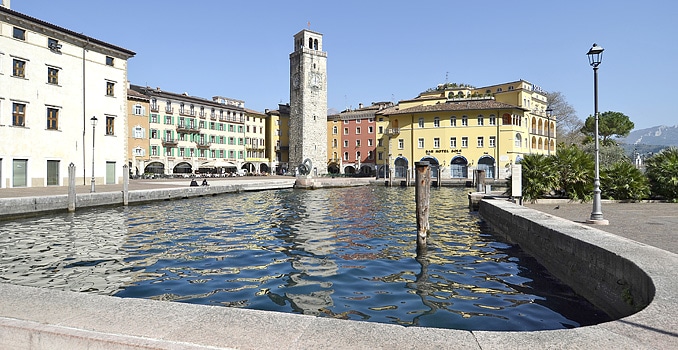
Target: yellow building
{"points": [[278, 138], [255, 142], [137, 135], [461, 128]]}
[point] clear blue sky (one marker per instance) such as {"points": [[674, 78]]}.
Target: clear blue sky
{"points": [[390, 51]]}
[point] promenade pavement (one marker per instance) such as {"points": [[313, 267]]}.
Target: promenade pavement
{"points": [[651, 223]]}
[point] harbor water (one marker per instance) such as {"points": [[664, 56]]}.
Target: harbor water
{"points": [[346, 253]]}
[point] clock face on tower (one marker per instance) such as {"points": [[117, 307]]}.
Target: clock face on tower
{"points": [[295, 81], [316, 80]]}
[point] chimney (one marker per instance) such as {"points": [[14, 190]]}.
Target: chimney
{"points": [[360, 106]]}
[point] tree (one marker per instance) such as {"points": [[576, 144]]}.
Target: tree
{"points": [[622, 180], [538, 176], [662, 171], [609, 124], [568, 125], [574, 170]]}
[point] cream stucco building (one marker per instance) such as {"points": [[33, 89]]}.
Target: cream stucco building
{"points": [[53, 82]]}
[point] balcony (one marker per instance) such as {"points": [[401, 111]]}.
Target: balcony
{"points": [[255, 147], [187, 113], [203, 144], [392, 131], [168, 141], [169, 110], [213, 116], [154, 108], [202, 115], [187, 128]]}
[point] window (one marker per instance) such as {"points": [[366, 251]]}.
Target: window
{"points": [[421, 122], [154, 118], [464, 121], [139, 152], [110, 88], [18, 114], [19, 33], [453, 121], [381, 129], [401, 144], [370, 129], [380, 155], [357, 143], [52, 119], [154, 150], [345, 143], [492, 141], [436, 122], [464, 142], [436, 142], [370, 143], [154, 134], [357, 156], [53, 44], [480, 120], [335, 143], [52, 173], [345, 155], [138, 132], [380, 143], [110, 125], [493, 120], [518, 140], [335, 130], [345, 131], [109, 61], [168, 120], [19, 68], [52, 76], [357, 130], [453, 142], [420, 142], [138, 109], [481, 141]]}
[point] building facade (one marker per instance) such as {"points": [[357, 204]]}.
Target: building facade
{"points": [[256, 161], [54, 83], [189, 135], [278, 139], [459, 129], [352, 140], [308, 103], [137, 132]]}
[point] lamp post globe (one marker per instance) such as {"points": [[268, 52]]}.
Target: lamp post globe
{"points": [[595, 56]]}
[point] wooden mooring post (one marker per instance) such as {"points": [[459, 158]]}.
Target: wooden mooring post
{"points": [[422, 196]]}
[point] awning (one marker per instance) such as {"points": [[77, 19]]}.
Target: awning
{"points": [[223, 164]]}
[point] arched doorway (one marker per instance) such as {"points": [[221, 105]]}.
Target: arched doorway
{"points": [[182, 168], [459, 167], [349, 170], [401, 165], [263, 168], [155, 168], [433, 164], [383, 171], [366, 170], [249, 167], [487, 163]]}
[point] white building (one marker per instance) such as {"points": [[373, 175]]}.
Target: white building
{"points": [[52, 83]]}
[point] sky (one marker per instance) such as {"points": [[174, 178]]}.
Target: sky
{"points": [[392, 50]]}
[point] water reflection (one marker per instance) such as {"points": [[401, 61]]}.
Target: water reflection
{"points": [[344, 253]]}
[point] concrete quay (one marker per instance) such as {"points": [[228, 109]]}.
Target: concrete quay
{"points": [[35, 318]]}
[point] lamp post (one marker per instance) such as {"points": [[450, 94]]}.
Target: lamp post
{"points": [[549, 114], [595, 55], [94, 125]]}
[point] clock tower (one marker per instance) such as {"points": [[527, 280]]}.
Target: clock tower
{"points": [[308, 104]]}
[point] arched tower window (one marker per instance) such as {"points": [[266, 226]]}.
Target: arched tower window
{"points": [[315, 44], [310, 43]]}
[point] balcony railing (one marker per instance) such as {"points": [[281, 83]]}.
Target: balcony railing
{"points": [[168, 141], [392, 131], [169, 110], [187, 128], [187, 112], [154, 108], [203, 144], [202, 115], [213, 116]]}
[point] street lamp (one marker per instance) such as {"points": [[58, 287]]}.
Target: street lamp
{"points": [[595, 55], [94, 125], [549, 114]]}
